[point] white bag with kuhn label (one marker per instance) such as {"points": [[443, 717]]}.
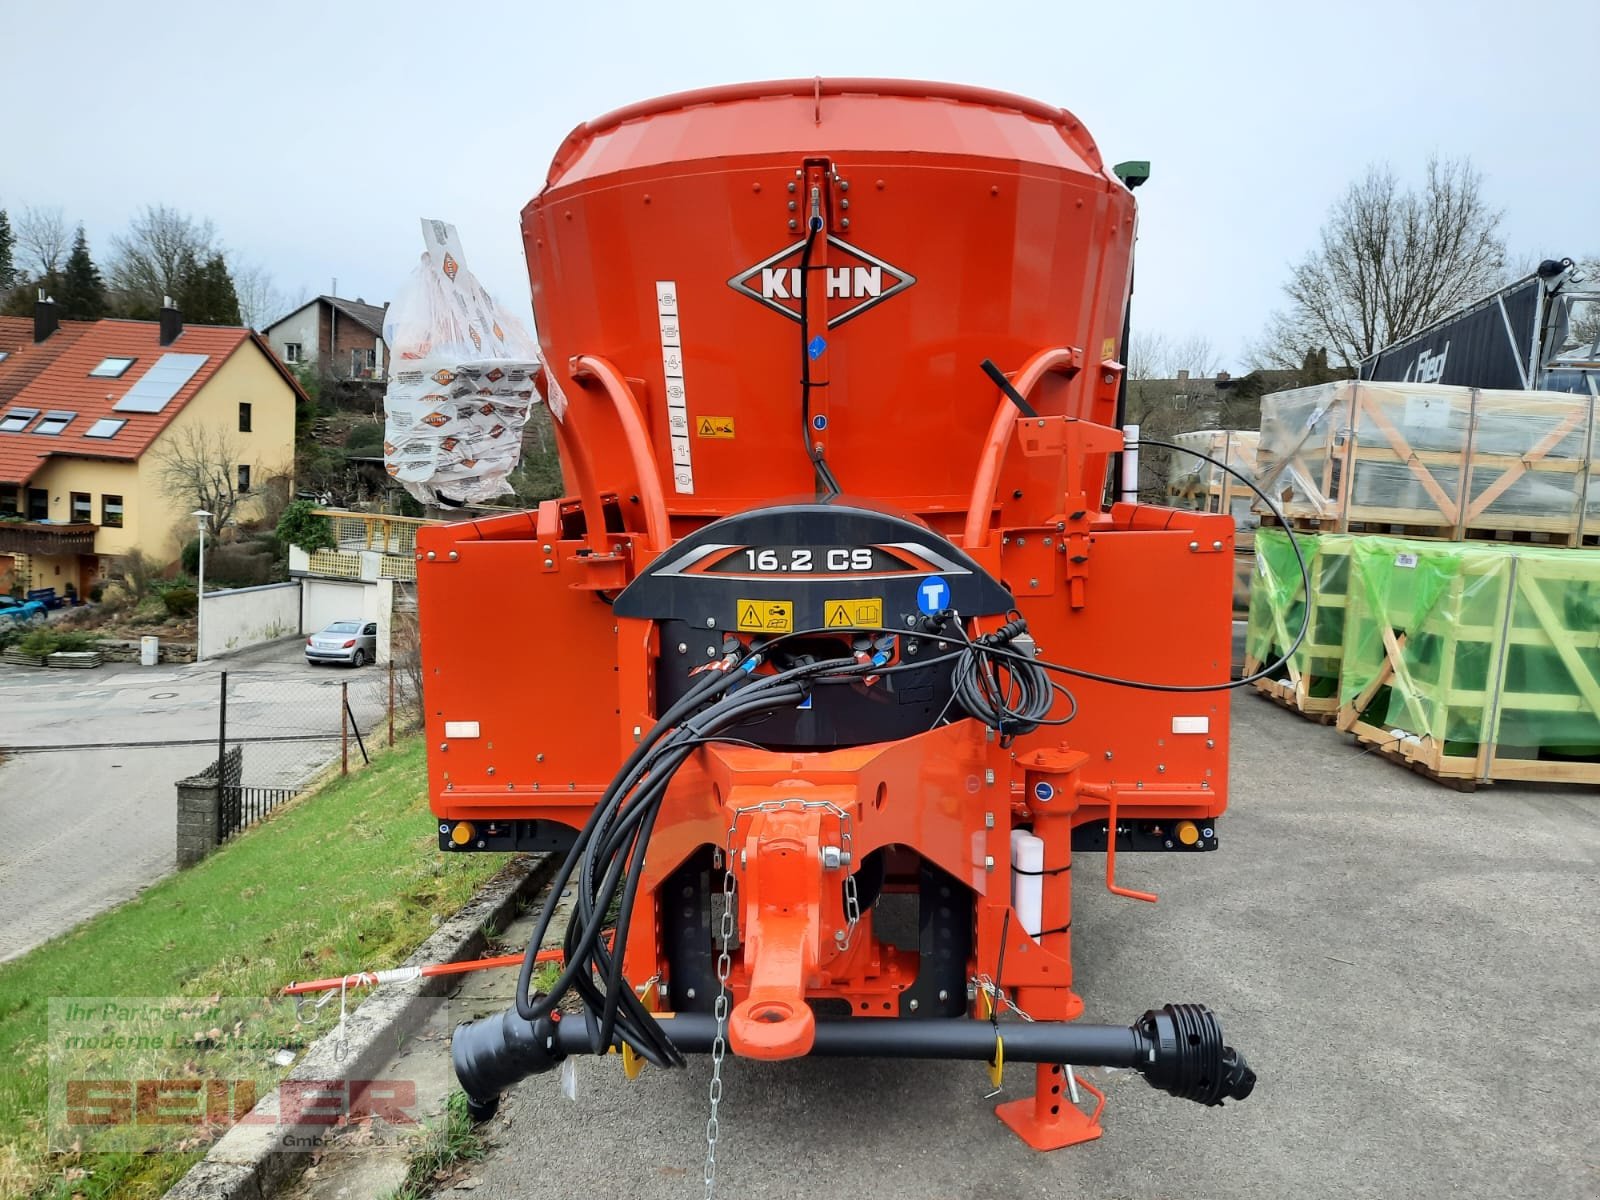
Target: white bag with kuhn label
{"points": [[460, 381]]}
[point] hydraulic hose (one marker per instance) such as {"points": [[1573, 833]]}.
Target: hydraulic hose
{"points": [[607, 857]]}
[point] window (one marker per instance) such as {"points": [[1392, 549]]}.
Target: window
{"points": [[105, 427], [244, 478], [17, 419], [112, 368], [8, 499], [362, 361], [244, 417], [38, 504], [54, 422], [4, 354], [371, 630], [291, 352], [82, 507], [111, 511]]}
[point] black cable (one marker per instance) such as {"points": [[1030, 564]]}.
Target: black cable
{"points": [[1243, 681], [1016, 704], [608, 854], [827, 485], [694, 698]]}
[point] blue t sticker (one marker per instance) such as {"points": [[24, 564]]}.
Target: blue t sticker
{"points": [[819, 422], [816, 346], [1043, 791], [933, 595]]}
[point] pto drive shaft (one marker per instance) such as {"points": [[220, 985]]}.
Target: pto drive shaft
{"points": [[1177, 1048]]}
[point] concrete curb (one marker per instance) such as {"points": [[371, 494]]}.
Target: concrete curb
{"points": [[248, 1162]]}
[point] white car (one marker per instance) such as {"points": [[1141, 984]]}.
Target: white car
{"points": [[353, 643]]}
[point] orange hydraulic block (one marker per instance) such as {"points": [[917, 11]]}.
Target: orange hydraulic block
{"points": [[780, 863], [1049, 1120]]}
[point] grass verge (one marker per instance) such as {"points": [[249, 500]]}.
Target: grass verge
{"points": [[447, 1146], [347, 878]]}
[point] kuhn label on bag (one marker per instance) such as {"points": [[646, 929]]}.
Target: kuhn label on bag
{"points": [[851, 280]]}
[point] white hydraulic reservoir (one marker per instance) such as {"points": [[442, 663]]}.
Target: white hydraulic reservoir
{"points": [[1027, 879]]}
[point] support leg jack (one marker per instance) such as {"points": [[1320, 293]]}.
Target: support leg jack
{"points": [[1049, 1120]]}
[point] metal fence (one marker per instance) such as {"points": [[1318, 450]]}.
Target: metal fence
{"points": [[289, 727]]}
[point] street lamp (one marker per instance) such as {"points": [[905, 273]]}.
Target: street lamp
{"points": [[201, 516]]}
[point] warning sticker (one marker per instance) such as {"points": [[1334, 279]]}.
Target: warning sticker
{"points": [[714, 427], [766, 616], [853, 614], [1108, 350]]}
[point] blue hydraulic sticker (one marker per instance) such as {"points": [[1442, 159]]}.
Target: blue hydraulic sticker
{"points": [[816, 346], [819, 422], [1043, 791], [933, 595], [806, 703]]}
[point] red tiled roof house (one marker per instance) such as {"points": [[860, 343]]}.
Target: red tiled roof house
{"points": [[90, 411]]}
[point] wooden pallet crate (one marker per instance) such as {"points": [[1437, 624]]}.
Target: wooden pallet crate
{"points": [[1197, 484], [1425, 459], [1308, 683], [1193, 483], [1474, 663]]}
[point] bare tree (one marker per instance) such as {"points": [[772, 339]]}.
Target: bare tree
{"points": [[200, 468], [1388, 262], [260, 300], [1157, 356], [44, 239], [1162, 404], [149, 263]]}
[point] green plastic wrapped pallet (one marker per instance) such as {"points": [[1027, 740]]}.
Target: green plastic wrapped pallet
{"points": [[1475, 661], [1309, 681]]}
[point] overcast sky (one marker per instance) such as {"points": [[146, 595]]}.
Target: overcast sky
{"points": [[315, 134]]}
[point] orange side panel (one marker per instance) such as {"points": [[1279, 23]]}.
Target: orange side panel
{"points": [[510, 646]]}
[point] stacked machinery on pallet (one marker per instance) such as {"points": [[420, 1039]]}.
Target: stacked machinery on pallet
{"points": [[748, 720], [1215, 478], [1451, 619]]}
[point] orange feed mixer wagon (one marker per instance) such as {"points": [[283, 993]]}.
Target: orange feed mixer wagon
{"points": [[834, 661]]}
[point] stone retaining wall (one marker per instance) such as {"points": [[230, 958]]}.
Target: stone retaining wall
{"points": [[128, 652]]}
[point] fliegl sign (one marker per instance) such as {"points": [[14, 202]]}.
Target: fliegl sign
{"points": [[851, 281]]}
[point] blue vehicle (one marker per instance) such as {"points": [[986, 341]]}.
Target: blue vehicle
{"points": [[20, 610]]}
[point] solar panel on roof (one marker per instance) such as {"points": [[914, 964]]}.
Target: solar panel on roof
{"points": [[157, 386]]}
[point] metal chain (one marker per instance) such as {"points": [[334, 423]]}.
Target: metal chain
{"points": [[852, 913], [998, 995], [719, 1044]]}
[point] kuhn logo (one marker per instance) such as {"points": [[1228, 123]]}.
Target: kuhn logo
{"points": [[851, 281]]}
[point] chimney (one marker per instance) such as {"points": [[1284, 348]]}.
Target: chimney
{"points": [[1183, 377], [1223, 377], [171, 321], [45, 321]]}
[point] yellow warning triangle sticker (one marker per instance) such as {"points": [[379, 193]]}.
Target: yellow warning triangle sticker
{"points": [[706, 428], [838, 618], [750, 617]]}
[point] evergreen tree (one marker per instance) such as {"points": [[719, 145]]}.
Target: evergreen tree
{"points": [[83, 292], [8, 270], [205, 292]]}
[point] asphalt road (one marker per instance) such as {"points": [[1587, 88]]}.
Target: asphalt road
{"points": [[1410, 971], [84, 829]]}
